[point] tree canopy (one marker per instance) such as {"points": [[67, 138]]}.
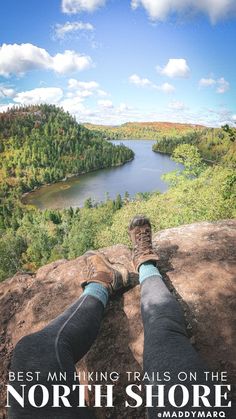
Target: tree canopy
{"points": [[44, 144]]}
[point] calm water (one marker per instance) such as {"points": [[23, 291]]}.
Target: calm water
{"points": [[143, 174]]}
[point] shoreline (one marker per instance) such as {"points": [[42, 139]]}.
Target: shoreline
{"points": [[69, 176], [131, 139], [169, 154]]}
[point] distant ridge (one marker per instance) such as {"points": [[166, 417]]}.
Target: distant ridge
{"points": [[157, 124], [145, 130]]}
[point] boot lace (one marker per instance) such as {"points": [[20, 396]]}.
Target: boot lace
{"points": [[90, 268], [143, 244]]}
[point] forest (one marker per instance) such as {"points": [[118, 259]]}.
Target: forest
{"points": [[44, 144], [30, 238], [214, 144], [144, 130]]}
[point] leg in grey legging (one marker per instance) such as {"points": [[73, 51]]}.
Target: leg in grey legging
{"points": [[57, 348], [166, 345]]}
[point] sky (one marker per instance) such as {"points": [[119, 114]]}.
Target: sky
{"points": [[114, 61]]}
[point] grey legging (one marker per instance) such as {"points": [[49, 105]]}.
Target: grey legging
{"points": [[61, 344]]}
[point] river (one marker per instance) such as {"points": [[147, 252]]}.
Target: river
{"points": [[143, 174]]}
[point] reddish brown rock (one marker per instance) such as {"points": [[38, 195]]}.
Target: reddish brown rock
{"points": [[198, 262]]}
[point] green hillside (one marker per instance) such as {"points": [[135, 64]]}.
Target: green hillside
{"points": [[44, 144], [214, 144]]}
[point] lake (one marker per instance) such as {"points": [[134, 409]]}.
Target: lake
{"points": [[143, 174]]}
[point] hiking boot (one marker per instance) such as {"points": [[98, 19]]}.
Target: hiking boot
{"points": [[140, 233], [98, 269]]}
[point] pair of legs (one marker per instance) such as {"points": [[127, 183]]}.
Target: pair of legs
{"points": [[61, 344]]}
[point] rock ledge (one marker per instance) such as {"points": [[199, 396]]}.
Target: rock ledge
{"points": [[198, 261]]}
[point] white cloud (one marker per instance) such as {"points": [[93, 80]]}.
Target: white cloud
{"points": [[102, 93], [105, 103], [84, 88], [144, 82], [221, 84], [70, 61], [77, 84], [110, 115], [177, 105], [6, 91], [162, 9], [70, 27], [77, 6], [82, 94], [166, 88], [19, 58], [176, 67], [73, 105], [139, 81], [123, 107], [39, 95], [107, 113], [207, 82], [177, 112]]}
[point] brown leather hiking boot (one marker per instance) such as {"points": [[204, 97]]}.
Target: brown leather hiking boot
{"points": [[98, 269], [140, 233]]}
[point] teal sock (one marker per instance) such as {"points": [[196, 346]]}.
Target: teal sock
{"points": [[146, 270], [98, 291]]}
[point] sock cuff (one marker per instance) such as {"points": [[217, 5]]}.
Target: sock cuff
{"points": [[146, 270], [98, 291]]}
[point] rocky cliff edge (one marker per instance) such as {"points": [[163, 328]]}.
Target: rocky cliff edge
{"points": [[198, 262]]}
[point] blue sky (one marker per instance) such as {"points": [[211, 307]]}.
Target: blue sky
{"points": [[113, 61]]}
